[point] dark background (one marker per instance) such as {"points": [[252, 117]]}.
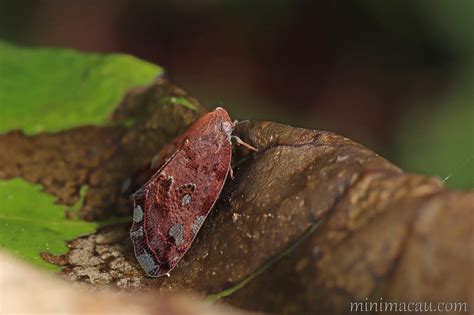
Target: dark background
{"points": [[395, 76]]}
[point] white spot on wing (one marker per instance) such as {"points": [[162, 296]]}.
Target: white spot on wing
{"points": [[197, 223], [176, 231], [186, 200], [137, 214], [138, 233], [147, 262]]}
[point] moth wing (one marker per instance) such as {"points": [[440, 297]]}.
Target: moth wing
{"points": [[143, 202]]}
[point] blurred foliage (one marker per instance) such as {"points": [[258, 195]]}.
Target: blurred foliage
{"points": [[439, 139], [441, 142], [53, 89], [452, 23]]}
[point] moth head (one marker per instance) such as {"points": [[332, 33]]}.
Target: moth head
{"points": [[226, 125], [227, 128]]}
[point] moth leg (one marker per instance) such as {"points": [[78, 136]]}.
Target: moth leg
{"points": [[231, 173], [245, 144]]}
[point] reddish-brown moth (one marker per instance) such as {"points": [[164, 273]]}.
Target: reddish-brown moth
{"points": [[173, 204]]}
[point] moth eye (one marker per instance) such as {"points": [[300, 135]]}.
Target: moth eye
{"points": [[227, 127]]}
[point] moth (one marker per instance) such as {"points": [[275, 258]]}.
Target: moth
{"points": [[170, 208]]}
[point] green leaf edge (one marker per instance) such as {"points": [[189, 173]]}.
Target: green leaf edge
{"points": [[52, 89]]}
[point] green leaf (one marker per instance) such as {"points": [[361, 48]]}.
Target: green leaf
{"points": [[49, 89], [31, 222]]}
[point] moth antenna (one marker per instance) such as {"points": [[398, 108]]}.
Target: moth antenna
{"points": [[237, 122], [466, 162]]}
